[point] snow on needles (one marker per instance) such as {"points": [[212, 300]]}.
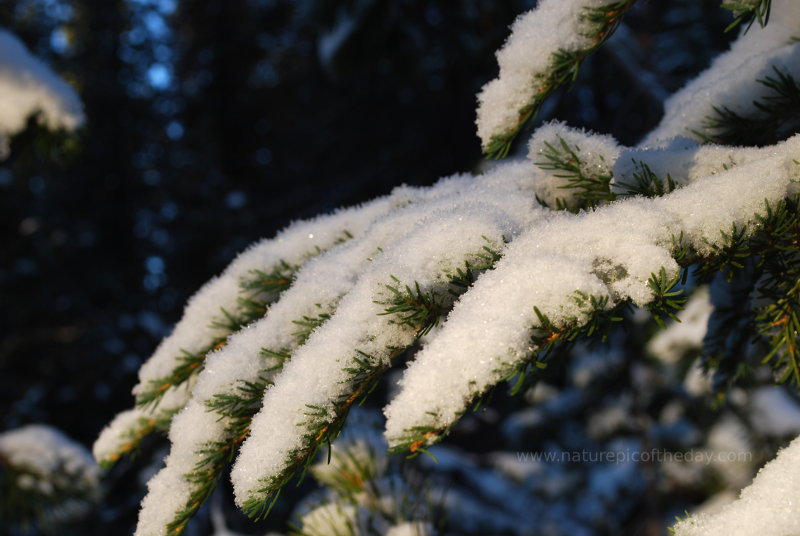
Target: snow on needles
{"points": [[319, 375], [609, 253], [422, 237], [730, 82], [317, 289], [767, 506], [597, 156], [28, 86], [555, 25], [197, 329]]}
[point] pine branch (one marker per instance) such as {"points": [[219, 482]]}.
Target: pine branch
{"points": [[417, 438], [730, 327], [779, 323], [566, 161], [759, 260], [727, 257], [775, 231], [778, 320], [667, 300], [237, 408], [414, 307], [189, 365], [273, 282], [463, 278], [564, 67], [307, 325], [133, 436], [421, 309], [748, 11], [321, 427], [259, 290], [776, 116], [417, 307], [552, 341], [771, 232], [646, 183], [594, 321]]}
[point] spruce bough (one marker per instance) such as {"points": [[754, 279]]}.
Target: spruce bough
{"points": [[493, 275]]}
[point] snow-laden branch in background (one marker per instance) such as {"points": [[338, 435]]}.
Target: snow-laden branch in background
{"points": [[47, 479], [767, 506], [27, 87], [359, 473], [123, 435], [730, 81], [546, 48], [687, 333], [547, 273]]}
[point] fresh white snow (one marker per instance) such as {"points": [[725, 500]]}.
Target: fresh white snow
{"points": [[597, 153], [527, 55], [607, 253], [317, 375], [767, 506], [318, 287], [730, 81]]}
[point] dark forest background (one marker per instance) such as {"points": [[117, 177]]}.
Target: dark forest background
{"points": [[214, 123]]}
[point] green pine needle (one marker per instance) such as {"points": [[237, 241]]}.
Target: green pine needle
{"points": [[566, 161], [646, 183], [667, 299], [776, 116], [748, 11]]}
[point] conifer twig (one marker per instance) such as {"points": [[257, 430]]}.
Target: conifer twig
{"points": [[776, 116], [748, 11], [564, 66]]}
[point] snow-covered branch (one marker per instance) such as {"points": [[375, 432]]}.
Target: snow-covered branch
{"points": [[609, 253], [45, 479], [481, 274], [767, 506], [27, 87], [731, 81], [546, 48]]}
